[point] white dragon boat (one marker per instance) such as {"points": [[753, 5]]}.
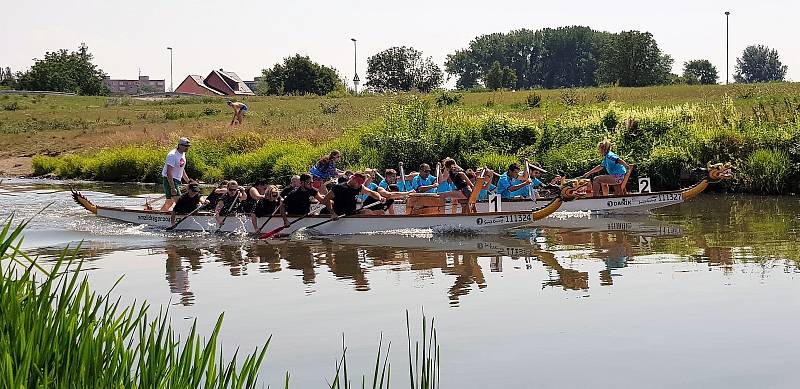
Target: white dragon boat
{"points": [[480, 222]]}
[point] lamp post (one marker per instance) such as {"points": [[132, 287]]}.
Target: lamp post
{"points": [[727, 45], [356, 80], [171, 89]]}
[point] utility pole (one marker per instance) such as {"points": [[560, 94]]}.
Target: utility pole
{"points": [[356, 80], [727, 46], [171, 89]]}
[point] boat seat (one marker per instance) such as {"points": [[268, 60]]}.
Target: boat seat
{"points": [[424, 204], [621, 188]]}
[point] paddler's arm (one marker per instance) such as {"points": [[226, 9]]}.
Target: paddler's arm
{"points": [[593, 171], [467, 180], [217, 209], [371, 193]]}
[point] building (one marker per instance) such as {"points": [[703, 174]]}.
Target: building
{"points": [[218, 82], [196, 85], [134, 87], [253, 85]]}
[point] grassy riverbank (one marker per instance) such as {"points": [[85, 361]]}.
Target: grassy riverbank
{"points": [[666, 131], [57, 332]]}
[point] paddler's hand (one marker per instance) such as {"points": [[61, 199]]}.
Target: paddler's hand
{"points": [[173, 192], [334, 216], [382, 199], [286, 225]]}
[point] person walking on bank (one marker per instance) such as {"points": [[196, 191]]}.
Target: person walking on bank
{"points": [[174, 172]]}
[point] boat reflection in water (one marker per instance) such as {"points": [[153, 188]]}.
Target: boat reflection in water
{"points": [[462, 258]]}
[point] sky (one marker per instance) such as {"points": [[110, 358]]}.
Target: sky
{"points": [[246, 36]]}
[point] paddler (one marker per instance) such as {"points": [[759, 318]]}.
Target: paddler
{"points": [[261, 200], [391, 178], [174, 172], [226, 204], [462, 186], [425, 182], [325, 169], [341, 200], [511, 184], [188, 201], [215, 195], [297, 200]]}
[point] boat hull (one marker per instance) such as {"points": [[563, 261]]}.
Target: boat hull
{"points": [[639, 203], [356, 224]]}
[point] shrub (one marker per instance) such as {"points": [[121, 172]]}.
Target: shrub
{"points": [[329, 107], [126, 164], [569, 97], [291, 164], [44, 164], [494, 161], [210, 111], [507, 134], [534, 100], [665, 165], [766, 171], [446, 98], [572, 159], [12, 106]]}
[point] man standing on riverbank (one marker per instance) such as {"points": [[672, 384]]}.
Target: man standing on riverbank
{"points": [[173, 172]]}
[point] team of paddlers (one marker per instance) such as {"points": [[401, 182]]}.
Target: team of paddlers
{"points": [[341, 191]]}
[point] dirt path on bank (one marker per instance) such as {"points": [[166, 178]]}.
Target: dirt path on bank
{"points": [[15, 166]]}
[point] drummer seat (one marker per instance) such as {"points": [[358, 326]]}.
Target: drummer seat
{"points": [[621, 188]]}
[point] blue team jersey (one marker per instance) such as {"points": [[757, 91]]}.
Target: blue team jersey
{"points": [[445, 186], [419, 181], [400, 185], [505, 182], [371, 186], [612, 165], [485, 193]]}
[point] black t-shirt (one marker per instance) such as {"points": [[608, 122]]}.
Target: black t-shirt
{"points": [[186, 204], [265, 207], [344, 199], [298, 200]]}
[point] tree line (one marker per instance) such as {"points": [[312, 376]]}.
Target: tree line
{"points": [[564, 57]]}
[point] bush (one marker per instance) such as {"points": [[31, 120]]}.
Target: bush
{"points": [[572, 159], [329, 107], [446, 98], [766, 171], [12, 106], [43, 165], [126, 164], [497, 162], [665, 165], [534, 100], [507, 134], [210, 111]]}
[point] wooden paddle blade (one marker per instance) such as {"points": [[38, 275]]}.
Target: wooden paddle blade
{"points": [[268, 234]]}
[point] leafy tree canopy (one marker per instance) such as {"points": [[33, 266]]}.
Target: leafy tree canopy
{"points": [[299, 75], [63, 71], [402, 69], [700, 71], [759, 63]]}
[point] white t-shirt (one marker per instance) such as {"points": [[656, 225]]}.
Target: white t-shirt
{"points": [[177, 160]]}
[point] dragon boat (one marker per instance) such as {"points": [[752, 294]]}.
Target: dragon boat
{"points": [[423, 213]]}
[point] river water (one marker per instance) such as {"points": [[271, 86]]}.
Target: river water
{"points": [[701, 295]]}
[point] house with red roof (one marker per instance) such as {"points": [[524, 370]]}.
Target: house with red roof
{"points": [[217, 83]]}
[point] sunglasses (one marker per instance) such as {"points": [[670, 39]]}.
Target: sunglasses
{"points": [[426, 171]]}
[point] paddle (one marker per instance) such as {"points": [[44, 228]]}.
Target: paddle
{"points": [[172, 227], [402, 177], [342, 217], [270, 233], [531, 191], [280, 202], [233, 205]]}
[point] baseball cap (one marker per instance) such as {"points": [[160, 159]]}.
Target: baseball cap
{"points": [[183, 142]]}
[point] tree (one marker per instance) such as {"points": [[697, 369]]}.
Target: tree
{"points": [[759, 63], [500, 77], [63, 71], [700, 71], [632, 58], [299, 75], [402, 69]]}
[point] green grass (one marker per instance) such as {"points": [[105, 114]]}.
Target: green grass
{"points": [[665, 131]]}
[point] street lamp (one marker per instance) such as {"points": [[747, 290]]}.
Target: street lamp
{"points": [[171, 89], [727, 45], [356, 80]]}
